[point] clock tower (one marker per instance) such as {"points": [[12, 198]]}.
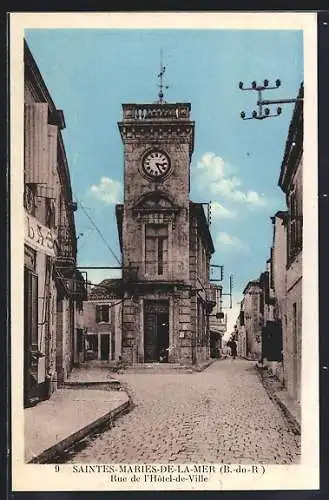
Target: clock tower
{"points": [[154, 225]]}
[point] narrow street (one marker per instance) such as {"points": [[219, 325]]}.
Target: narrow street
{"points": [[222, 415]]}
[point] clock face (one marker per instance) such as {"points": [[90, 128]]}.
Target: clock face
{"points": [[156, 164]]}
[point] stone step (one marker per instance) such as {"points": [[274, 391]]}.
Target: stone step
{"points": [[158, 368], [113, 383]]}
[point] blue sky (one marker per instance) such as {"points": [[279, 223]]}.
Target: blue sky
{"points": [[235, 164]]}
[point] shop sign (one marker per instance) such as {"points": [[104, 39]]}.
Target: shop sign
{"points": [[39, 237]]}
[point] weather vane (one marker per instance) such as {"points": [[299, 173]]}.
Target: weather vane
{"points": [[160, 76]]}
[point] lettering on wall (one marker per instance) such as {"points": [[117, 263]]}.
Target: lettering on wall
{"points": [[39, 236]]}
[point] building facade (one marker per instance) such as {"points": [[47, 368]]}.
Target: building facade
{"points": [[272, 324], [274, 339], [241, 334], [291, 183], [259, 324], [165, 240], [253, 319], [102, 314], [217, 325], [274, 301], [52, 285], [279, 261]]}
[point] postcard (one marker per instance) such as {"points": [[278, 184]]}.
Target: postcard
{"points": [[164, 287]]}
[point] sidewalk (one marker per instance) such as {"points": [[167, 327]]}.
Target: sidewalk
{"points": [[290, 408], [92, 374], [167, 367], [71, 414]]}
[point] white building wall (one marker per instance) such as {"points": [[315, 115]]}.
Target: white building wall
{"points": [[112, 328], [279, 256]]}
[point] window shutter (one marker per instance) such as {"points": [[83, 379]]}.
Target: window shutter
{"points": [[150, 255], [165, 255], [98, 316], [34, 311], [105, 314], [299, 217], [292, 225], [156, 249], [52, 154], [52, 179], [36, 143]]}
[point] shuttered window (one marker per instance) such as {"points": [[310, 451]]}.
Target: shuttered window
{"points": [[295, 228], [31, 308], [201, 323], [102, 313], [30, 334], [36, 143], [255, 303], [156, 249]]}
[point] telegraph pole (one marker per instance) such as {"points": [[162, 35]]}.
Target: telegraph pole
{"points": [[230, 292], [265, 112]]}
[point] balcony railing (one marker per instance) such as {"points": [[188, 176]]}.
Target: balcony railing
{"points": [[130, 274], [156, 112]]}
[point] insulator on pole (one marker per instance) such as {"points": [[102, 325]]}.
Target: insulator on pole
{"points": [[266, 112]]}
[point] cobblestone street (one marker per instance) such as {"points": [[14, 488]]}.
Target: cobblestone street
{"points": [[222, 415]]}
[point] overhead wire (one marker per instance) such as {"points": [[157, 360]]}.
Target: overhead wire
{"points": [[85, 238], [98, 230]]}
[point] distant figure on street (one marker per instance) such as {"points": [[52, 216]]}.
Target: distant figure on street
{"points": [[233, 348], [224, 352], [162, 355]]}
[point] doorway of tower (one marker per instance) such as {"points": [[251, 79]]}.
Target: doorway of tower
{"points": [[156, 331]]}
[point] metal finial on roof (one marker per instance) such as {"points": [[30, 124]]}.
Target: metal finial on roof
{"points": [[160, 76]]}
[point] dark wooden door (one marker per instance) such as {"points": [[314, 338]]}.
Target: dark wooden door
{"points": [[156, 329], [30, 336], [105, 347]]}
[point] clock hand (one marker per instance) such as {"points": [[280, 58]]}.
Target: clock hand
{"points": [[160, 164]]}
